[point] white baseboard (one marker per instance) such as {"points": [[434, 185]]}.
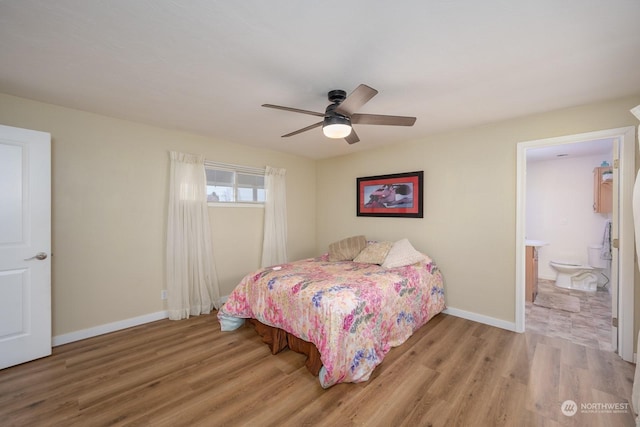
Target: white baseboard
{"points": [[152, 317], [109, 327], [491, 321]]}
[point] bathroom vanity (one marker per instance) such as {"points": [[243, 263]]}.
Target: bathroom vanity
{"points": [[531, 268], [531, 272]]}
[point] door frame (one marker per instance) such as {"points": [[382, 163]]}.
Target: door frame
{"points": [[626, 169]]}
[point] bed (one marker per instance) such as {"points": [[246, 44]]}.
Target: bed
{"points": [[345, 315]]}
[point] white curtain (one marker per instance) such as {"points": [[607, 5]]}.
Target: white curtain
{"points": [[192, 283], [274, 244]]}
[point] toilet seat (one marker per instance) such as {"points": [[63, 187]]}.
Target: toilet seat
{"points": [[569, 264]]}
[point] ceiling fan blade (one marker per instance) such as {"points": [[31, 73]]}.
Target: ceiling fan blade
{"points": [[295, 110], [352, 138], [356, 99], [379, 119], [315, 125]]}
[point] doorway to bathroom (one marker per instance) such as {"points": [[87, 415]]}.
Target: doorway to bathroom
{"points": [[555, 200]]}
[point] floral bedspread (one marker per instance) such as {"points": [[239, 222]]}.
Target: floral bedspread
{"points": [[353, 313]]}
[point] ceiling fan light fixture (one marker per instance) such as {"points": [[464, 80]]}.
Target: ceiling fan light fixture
{"points": [[336, 127], [338, 115]]}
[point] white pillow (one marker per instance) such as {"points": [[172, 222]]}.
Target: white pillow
{"points": [[401, 254]]}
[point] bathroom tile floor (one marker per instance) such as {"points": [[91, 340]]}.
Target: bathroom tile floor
{"points": [[590, 327]]}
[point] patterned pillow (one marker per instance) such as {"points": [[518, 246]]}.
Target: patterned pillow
{"points": [[347, 249], [401, 254], [374, 253]]}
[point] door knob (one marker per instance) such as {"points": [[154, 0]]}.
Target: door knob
{"points": [[39, 255]]}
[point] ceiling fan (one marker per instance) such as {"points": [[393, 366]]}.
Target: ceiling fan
{"points": [[341, 114]]}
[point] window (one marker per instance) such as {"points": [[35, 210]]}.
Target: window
{"points": [[234, 184]]}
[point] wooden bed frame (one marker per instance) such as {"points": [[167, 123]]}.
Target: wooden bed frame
{"points": [[278, 340]]}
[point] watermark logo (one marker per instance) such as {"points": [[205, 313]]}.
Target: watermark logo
{"points": [[569, 408]]}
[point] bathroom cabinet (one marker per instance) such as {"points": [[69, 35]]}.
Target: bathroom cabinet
{"points": [[531, 272], [602, 191]]}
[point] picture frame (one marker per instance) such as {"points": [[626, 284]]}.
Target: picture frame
{"points": [[394, 195]]}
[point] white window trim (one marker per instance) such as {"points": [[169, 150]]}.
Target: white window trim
{"points": [[235, 168], [236, 205]]}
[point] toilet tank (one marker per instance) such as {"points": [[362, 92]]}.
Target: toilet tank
{"points": [[594, 252]]}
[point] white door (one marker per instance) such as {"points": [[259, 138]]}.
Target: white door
{"points": [[25, 245]]}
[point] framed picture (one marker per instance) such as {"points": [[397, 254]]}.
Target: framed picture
{"points": [[398, 195]]}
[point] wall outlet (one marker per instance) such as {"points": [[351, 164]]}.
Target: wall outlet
{"points": [[163, 294]]}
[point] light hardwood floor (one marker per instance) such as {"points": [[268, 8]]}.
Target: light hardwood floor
{"points": [[452, 372]]}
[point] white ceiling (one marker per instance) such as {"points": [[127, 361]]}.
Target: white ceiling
{"points": [[206, 66], [597, 147]]}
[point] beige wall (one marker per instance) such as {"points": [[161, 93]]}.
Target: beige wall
{"points": [[110, 194], [109, 201], [470, 199]]}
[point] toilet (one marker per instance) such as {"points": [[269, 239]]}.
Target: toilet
{"points": [[572, 275]]}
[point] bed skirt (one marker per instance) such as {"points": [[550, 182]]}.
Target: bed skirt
{"points": [[278, 340]]}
